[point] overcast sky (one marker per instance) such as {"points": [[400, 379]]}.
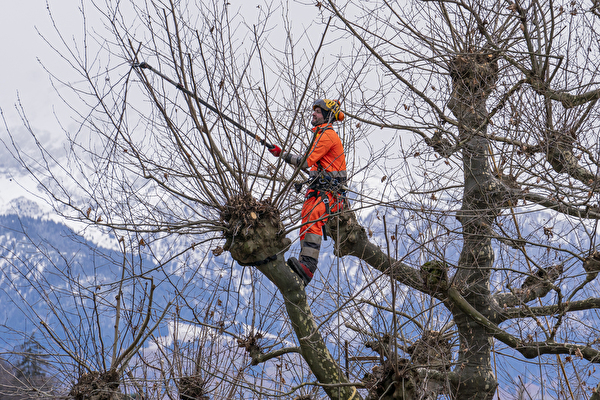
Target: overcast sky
{"points": [[20, 72], [22, 77], [22, 46]]}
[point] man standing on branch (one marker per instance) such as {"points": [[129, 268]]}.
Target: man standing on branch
{"points": [[327, 180]]}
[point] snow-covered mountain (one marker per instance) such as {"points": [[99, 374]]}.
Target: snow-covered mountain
{"points": [[50, 273], [23, 207]]}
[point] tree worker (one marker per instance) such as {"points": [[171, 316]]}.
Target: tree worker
{"points": [[327, 180]]}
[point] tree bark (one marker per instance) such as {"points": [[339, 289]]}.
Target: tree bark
{"points": [[312, 345], [253, 238], [473, 77]]}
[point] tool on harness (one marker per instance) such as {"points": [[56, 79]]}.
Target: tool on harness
{"points": [[323, 182], [324, 198]]}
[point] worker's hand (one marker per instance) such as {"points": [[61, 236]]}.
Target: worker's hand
{"points": [[275, 150]]}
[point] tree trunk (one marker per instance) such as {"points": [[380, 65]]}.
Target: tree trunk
{"points": [[253, 238], [474, 76], [312, 345]]}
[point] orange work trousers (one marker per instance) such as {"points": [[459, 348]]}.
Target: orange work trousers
{"points": [[314, 212]]}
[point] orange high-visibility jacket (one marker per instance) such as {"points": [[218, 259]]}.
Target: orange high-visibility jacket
{"points": [[327, 152]]}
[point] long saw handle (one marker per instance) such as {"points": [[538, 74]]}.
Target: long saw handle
{"points": [[145, 65]]}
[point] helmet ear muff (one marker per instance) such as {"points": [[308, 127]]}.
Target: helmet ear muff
{"points": [[331, 108]]}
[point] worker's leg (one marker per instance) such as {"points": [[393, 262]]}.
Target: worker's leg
{"points": [[313, 210]]}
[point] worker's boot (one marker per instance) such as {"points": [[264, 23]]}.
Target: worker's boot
{"points": [[309, 258], [303, 269]]}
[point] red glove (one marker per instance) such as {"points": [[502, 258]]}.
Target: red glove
{"points": [[275, 150]]}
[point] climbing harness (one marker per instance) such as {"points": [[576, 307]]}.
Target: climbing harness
{"points": [[321, 186]]}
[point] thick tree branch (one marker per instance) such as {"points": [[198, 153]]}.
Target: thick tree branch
{"points": [[351, 239], [562, 158], [259, 358], [312, 345], [536, 285], [566, 99], [528, 350], [468, 309], [521, 312], [589, 212]]}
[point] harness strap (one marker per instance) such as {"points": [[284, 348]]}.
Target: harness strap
{"points": [[260, 262]]}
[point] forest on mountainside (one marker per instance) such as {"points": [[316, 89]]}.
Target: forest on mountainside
{"points": [[464, 265]]}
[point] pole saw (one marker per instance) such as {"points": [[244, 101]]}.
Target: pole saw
{"points": [[144, 65]]}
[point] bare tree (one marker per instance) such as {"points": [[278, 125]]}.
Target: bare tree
{"points": [[503, 97], [473, 242], [172, 177], [93, 309]]}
